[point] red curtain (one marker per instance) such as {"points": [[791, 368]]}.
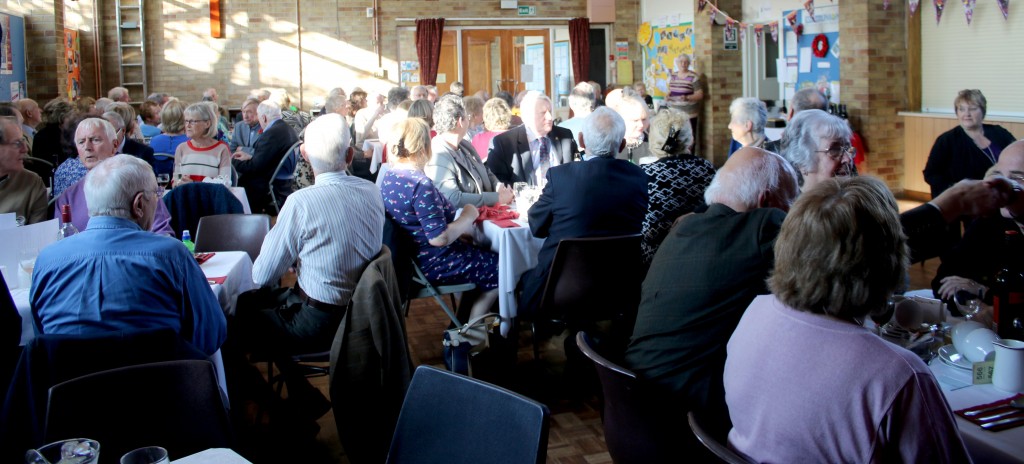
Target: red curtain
{"points": [[579, 45], [428, 48]]}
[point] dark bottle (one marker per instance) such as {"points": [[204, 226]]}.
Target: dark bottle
{"points": [[1008, 290]]}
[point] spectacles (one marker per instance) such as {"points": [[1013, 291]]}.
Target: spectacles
{"points": [[19, 144], [194, 121], [839, 153], [156, 193]]}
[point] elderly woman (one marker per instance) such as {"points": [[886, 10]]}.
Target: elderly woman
{"points": [[474, 116], [968, 150], [804, 380], [497, 117], [818, 146], [172, 116], [676, 181], [424, 110], [419, 209], [749, 116], [455, 168], [202, 155], [685, 91]]}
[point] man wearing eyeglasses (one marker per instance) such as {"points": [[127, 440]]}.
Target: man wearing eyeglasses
{"points": [[94, 139], [21, 192], [114, 276]]}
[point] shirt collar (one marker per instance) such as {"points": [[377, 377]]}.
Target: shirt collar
{"points": [[329, 177], [530, 134], [111, 222]]}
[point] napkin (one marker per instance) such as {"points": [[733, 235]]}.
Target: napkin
{"points": [[203, 257], [216, 280], [496, 213], [1003, 402], [506, 223]]}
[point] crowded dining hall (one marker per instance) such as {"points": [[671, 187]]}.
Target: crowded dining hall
{"points": [[627, 231]]}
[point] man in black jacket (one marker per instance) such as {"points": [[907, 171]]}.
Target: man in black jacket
{"points": [[255, 171], [525, 153]]}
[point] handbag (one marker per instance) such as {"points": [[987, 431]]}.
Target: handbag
{"points": [[472, 337]]}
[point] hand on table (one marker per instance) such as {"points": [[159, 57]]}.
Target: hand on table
{"points": [[952, 284], [505, 194]]}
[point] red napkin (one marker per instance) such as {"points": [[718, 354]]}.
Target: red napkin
{"points": [[216, 280], [506, 223], [1003, 402], [203, 257], [496, 213]]}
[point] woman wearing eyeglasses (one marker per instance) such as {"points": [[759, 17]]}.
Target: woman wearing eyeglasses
{"points": [[202, 155], [818, 146], [968, 150]]}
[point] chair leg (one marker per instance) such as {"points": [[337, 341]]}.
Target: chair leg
{"points": [[536, 344]]}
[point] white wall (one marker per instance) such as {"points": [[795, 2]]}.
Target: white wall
{"points": [[770, 10], [651, 10]]}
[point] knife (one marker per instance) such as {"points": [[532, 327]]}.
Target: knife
{"points": [[999, 416], [1001, 424], [976, 412]]}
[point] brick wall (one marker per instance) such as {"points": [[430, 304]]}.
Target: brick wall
{"points": [[722, 71], [44, 33], [261, 43], [874, 82]]}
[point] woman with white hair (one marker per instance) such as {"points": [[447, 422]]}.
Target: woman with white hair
{"points": [[749, 116], [202, 155], [817, 144], [676, 181]]}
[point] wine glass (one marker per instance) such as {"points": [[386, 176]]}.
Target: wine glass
{"points": [[162, 180], [969, 303]]}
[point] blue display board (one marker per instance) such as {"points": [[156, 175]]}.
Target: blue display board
{"points": [[12, 57], [798, 52]]}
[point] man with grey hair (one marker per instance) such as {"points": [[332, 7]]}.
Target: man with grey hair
{"points": [[248, 130], [116, 276], [256, 171], [581, 102], [21, 191], [33, 117], [210, 95], [455, 167], [95, 139], [599, 197], [526, 152], [634, 111], [457, 88], [119, 94], [419, 92], [804, 99], [159, 98], [333, 228], [115, 115], [707, 270]]}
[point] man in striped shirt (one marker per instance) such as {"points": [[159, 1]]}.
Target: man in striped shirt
{"points": [[328, 232]]}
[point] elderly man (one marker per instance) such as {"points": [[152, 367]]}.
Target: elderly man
{"points": [[581, 102], [95, 140], [381, 119], [246, 132], [256, 170], [114, 276], [706, 272], [599, 197], [332, 229], [122, 117], [119, 94], [455, 167], [21, 192], [806, 99], [418, 92], [634, 111], [525, 153], [159, 98], [210, 94], [33, 117]]}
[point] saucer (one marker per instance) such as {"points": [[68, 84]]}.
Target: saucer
{"points": [[949, 355]]}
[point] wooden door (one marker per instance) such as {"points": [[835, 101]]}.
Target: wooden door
{"points": [[448, 64], [492, 60]]}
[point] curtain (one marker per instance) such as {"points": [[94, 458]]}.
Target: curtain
{"points": [[579, 45], [428, 48]]}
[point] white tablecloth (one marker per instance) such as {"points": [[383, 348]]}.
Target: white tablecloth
{"points": [[239, 193], [1006, 446], [378, 153], [517, 250], [213, 456]]}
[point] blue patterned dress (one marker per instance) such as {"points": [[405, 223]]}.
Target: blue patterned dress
{"points": [[412, 201]]}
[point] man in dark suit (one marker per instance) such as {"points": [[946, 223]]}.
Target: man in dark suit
{"points": [[524, 153], [705, 274], [126, 145], [255, 171], [599, 197]]}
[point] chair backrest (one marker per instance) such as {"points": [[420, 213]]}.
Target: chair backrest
{"points": [[640, 425], [232, 232], [281, 184], [164, 163], [173, 404], [449, 418], [189, 202], [711, 443], [593, 279]]}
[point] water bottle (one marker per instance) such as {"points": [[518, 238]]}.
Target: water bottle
{"points": [[67, 228], [186, 239]]}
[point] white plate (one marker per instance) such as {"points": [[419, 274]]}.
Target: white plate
{"points": [[949, 355]]}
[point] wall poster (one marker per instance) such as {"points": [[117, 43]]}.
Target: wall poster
{"points": [[660, 52], [73, 56]]}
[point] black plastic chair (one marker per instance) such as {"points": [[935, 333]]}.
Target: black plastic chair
{"points": [[175, 404], [43, 168], [711, 443], [164, 163], [449, 418], [281, 183], [232, 232], [591, 279], [640, 424]]}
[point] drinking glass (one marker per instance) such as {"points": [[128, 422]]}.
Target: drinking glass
{"points": [[147, 455], [26, 264], [162, 180], [968, 303], [77, 450], [518, 188]]}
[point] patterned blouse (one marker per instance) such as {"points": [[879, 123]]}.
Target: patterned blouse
{"points": [[675, 186], [68, 173]]}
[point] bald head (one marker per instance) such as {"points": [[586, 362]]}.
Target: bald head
{"points": [[753, 178], [1011, 166], [808, 99]]}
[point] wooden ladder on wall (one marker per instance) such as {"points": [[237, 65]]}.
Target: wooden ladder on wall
{"points": [[131, 43]]}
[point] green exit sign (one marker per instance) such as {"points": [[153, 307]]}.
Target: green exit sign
{"points": [[527, 11]]}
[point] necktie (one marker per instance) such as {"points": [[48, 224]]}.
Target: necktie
{"points": [[545, 151]]}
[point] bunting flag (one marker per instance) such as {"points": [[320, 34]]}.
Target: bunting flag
{"points": [[913, 6], [743, 33], [791, 18], [969, 10], [759, 33], [1004, 6], [774, 27], [809, 6], [885, 5], [701, 4], [939, 6], [711, 14]]}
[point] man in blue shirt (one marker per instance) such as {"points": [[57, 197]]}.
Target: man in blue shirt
{"points": [[116, 275]]}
